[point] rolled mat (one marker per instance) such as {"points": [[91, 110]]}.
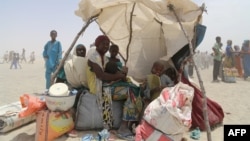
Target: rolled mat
{"points": [[9, 118]]}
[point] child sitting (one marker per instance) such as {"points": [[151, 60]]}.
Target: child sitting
{"points": [[114, 65], [157, 80], [113, 51]]}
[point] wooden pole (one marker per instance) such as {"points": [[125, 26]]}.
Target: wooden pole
{"points": [[130, 33], [205, 114], [70, 48]]}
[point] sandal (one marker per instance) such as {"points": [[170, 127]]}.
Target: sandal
{"points": [[72, 133], [195, 134], [87, 137]]}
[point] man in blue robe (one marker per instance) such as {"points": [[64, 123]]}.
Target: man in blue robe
{"points": [[52, 55]]}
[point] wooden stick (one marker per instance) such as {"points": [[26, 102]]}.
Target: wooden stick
{"points": [[130, 33], [205, 114], [70, 48]]}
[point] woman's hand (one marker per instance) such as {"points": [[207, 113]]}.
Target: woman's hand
{"points": [[121, 76]]}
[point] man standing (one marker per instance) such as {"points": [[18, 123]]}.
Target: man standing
{"points": [[217, 58], [52, 55]]}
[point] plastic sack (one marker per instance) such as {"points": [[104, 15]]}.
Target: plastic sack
{"points": [[146, 132], [50, 125], [89, 115], [9, 119], [32, 105], [171, 111]]}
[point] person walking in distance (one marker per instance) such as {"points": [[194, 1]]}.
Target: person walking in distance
{"points": [[32, 57], [23, 57], [52, 55]]}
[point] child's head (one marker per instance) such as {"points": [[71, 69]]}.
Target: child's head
{"points": [[158, 68], [113, 50], [81, 50], [111, 67], [236, 48]]}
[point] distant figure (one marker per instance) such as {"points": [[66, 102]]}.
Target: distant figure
{"points": [[217, 59], [52, 55], [23, 57], [238, 60], [229, 60], [11, 54], [32, 57], [197, 59], [206, 61], [5, 57], [246, 58], [17, 60], [13, 60]]}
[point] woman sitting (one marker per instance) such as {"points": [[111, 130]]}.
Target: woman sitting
{"points": [[96, 76]]}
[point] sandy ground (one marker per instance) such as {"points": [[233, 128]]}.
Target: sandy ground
{"points": [[233, 97]]}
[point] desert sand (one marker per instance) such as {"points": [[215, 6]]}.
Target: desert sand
{"points": [[233, 97]]}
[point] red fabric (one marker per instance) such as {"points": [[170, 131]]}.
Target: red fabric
{"points": [[238, 65], [101, 38], [215, 111], [144, 130]]}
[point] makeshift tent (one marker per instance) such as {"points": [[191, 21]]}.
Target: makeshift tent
{"points": [[145, 30]]}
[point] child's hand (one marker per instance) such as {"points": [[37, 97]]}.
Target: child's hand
{"points": [[143, 84], [157, 89], [124, 79], [124, 70]]}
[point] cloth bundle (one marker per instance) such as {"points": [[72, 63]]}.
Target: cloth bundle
{"points": [[75, 70], [170, 113]]}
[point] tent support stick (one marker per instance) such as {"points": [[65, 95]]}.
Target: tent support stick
{"points": [[205, 114], [70, 48], [130, 33]]}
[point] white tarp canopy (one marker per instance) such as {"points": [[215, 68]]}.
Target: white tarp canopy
{"points": [[156, 34]]}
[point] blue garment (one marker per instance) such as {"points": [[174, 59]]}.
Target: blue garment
{"points": [[52, 54], [166, 81], [228, 51], [14, 62], [246, 61]]}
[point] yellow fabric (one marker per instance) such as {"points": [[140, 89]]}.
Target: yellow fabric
{"points": [[153, 82], [95, 84], [91, 78]]}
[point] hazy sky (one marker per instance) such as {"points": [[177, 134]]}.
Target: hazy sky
{"points": [[27, 23]]}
